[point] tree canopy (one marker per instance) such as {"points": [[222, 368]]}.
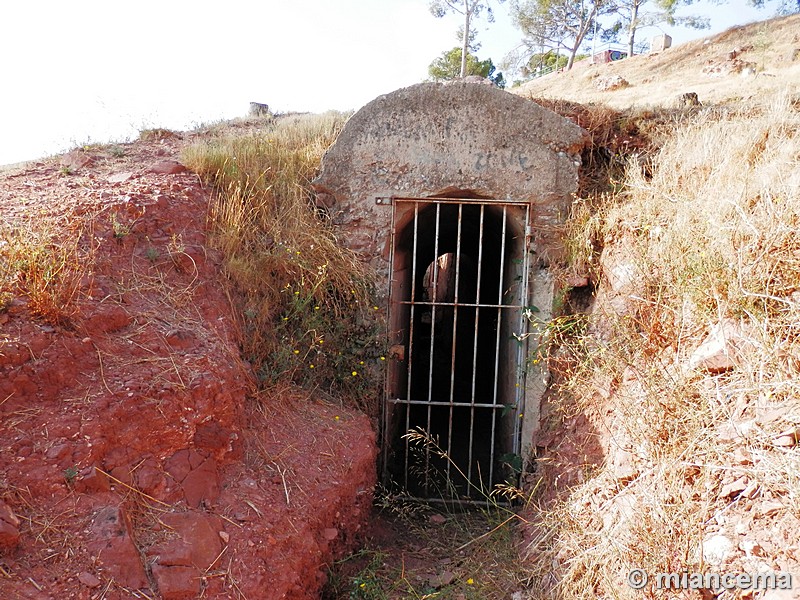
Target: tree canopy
{"points": [[636, 14], [785, 7], [558, 23], [448, 67], [567, 24], [468, 9]]}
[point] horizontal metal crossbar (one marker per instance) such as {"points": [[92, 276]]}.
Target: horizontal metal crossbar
{"points": [[462, 501], [484, 201], [460, 304], [445, 403]]}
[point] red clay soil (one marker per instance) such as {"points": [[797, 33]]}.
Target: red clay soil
{"points": [[136, 461]]}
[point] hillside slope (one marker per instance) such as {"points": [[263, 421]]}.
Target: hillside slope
{"points": [[742, 63], [136, 459], [672, 442]]}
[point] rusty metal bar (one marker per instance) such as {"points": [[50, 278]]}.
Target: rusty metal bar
{"points": [[431, 353], [411, 339], [522, 344], [475, 344], [461, 304], [435, 200], [444, 403], [453, 339], [497, 338], [386, 414]]}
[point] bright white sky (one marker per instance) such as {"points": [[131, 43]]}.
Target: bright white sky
{"points": [[97, 70]]}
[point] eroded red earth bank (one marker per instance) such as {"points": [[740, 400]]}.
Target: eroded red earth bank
{"points": [[135, 458]]}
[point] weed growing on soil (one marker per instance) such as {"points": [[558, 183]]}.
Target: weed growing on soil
{"points": [[304, 299], [46, 271], [437, 551], [120, 229], [365, 584], [156, 133], [447, 561], [429, 444], [70, 473]]}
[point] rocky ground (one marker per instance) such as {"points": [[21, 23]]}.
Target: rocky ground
{"points": [[752, 61], [136, 458]]}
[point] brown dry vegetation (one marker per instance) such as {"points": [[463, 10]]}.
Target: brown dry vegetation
{"points": [[304, 300], [765, 60], [666, 452]]}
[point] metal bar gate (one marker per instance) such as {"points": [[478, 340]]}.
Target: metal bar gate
{"points": [[458, 292]]}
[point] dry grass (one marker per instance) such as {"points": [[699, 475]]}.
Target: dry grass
{"points": [[45, 270], [304, 299], [659, 79], [709, 235]]}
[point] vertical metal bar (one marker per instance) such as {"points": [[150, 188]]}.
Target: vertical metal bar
{"points": [[433, 329], [522, 346], [385, 408], [411, 338], [453, 344], [501, 393], [475, 345], [497, 340]]}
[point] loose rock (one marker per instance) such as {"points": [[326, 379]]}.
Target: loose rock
{"points": [[716, 549], [177, 583], [168, 167], [115, 549], [9, 527], [608, 83]]}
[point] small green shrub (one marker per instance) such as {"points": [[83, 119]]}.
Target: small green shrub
{"points": [[304, 299], [119, 228]]}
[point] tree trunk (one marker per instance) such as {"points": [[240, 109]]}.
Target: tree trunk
{"points": [[581, 35], [465, 41], [571, 58], [632, 26]]}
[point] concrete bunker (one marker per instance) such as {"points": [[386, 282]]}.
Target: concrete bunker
{"points": [[454, 195]]}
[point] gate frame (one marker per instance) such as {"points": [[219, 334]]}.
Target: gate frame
{"points": [[518, 374]]}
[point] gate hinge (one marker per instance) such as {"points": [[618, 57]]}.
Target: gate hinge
{"points": [[383, 200]]}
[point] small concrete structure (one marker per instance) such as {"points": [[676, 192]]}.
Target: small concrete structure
{"points": [[258, 109], [659, 43], [609, 55], [440, 177], [432, 139]]}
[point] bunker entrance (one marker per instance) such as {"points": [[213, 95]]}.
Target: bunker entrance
{"points": [[458, 292]]}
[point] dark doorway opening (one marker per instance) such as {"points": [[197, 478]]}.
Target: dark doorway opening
{"points": [[458, 290]]}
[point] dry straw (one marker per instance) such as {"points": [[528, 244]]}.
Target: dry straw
{"points": [[303, 298], [709, 236]]}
